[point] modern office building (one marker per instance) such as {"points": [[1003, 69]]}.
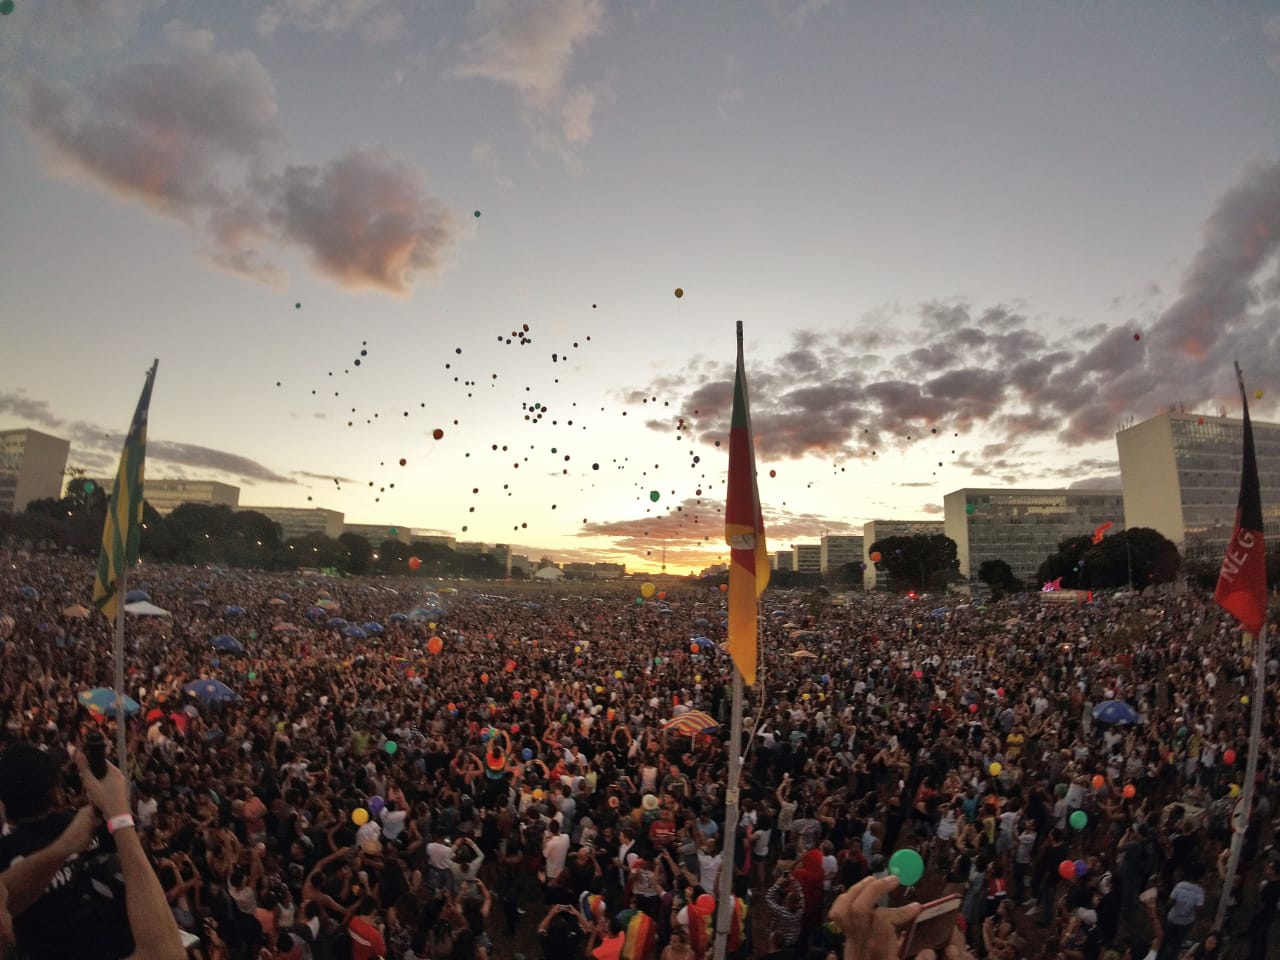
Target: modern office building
{"points": [[838, 550], [502, 553], [873, 577], [32, 467], [166, 495], [434, 539], [298, 522], [1181, 476], [808, 557], [1022, 527], [784, 560], [378, 533]]}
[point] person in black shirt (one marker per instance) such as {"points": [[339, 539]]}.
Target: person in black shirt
{"points": [[1268, 901]]}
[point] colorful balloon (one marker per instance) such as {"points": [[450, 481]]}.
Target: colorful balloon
{"points": [[414, 563], [1228, 757], [907, 866], [391, 747], [359, 816], [1079, 868], [996, 768], [654, 495], [437, 434], [679, 292], [1079, 819], [1129, 791], [1098, 781], [875, 556], [435, 645], [647, 590], [1067, 870]]}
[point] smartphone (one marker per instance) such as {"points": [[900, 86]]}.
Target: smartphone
{"points": [[932, 927]]}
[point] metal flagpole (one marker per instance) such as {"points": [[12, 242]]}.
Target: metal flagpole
{"points": [[729, 848], [1243, 810], [122, 743]]}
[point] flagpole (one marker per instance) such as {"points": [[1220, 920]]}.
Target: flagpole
{"points": [[122, 741], [729, 849], [1239, 824]]}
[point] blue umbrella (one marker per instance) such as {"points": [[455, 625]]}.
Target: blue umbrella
{"points": [[137, 596], [703, 642], [227, 643], [372, 627], [315, 613], [29, 593], [234, 611], [398, 617], [355, 633], [940, 612], [103, 700], [702, 622], [1115, 711], [423, 614], [213, 691], [337, 622], [777, 613]]}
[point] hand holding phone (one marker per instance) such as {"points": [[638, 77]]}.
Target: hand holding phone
{"points": [[932, 927]]}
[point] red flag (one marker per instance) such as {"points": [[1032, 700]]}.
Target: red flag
{"points": [[1101, 531], [1242, 581], [744, 531]]}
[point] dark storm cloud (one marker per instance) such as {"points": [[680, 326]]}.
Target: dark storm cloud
{"points": [[18, 404], [207, 458], [994, 373]]}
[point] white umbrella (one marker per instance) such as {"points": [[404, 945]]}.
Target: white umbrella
{"points": [[145, 608]]}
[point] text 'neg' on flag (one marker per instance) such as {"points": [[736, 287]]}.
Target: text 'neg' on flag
{"points": [[744, 531], [120, 533], [1242, 580]]}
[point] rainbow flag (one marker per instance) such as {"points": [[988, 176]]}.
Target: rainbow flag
{"points": [[640, 935], [744, 531], [120, 534]]}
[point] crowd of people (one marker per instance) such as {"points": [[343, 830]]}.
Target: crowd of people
{"points": [[486, 770]]}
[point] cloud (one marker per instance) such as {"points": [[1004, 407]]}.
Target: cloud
{"points": [[66, 29], [378, 21], [529, 47], [947, 368], [326, 477], [932, 508], [18, 404], [189, 137], [1097, 483]]}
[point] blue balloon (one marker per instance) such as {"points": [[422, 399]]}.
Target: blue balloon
{"points": [[526, 754]]}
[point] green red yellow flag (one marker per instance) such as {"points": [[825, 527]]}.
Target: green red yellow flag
{"points": [[124, 512], [744, 531]]}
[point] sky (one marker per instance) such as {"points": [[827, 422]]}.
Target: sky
{"points": [[965, 241]]}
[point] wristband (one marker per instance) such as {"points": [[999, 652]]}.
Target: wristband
{"points": [[120, 822]]}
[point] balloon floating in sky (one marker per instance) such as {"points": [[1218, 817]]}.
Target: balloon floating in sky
{"points": [[403, 461], [437, 434], [907, 866], [297, 306], [654, 495], [969, 508], [773, 473], [875, 556], [1137, 337], [647, 590], [679, 292], [1257, 394], [477, 214]]}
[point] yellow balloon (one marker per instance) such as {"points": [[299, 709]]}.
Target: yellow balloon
{"points": [[697, 678], [1245, 699], [577, 649], [617, 674], [995, 768], [647, 590], [1234, 790], [804, 696], [359, 816]]}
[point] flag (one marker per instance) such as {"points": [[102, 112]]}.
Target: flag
{"points": [[124, 511], [1242, 581], [744, 531], [1101, 531]]}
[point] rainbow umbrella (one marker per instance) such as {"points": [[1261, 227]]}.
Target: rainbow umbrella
{"points": [[690, 724]]}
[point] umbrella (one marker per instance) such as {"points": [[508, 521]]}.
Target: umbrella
{"points": [[702, 622], [136, 596], [227, 643], [804, 654], [398, 617], [777, 613], [1115, 711], [277, 602], [703, 641], [200, 603], [336, 622], [29, 593], [7, 623], [76, 612], [286, 628], [802, 634], [326, 604], [423, 614], [315, 613], [690, 724], [233, 611], [372, 627], [665, 611], [210, 690], [145, 608], [354, 632], [103, 700], [940, 612]]}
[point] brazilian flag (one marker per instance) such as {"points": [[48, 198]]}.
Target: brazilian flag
{"points": [[124, 512]]}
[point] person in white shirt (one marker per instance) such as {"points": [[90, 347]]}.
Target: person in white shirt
{"points": [[555, 848], [393, 821]]}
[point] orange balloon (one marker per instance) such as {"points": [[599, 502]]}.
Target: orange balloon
{"points": [[1098, 781], [534, 694], [435, 645], [414, 563], [511, 666], [693, 648], [724, 588], [875, 556], [484, 678], [515, 694], [1129, 791]]}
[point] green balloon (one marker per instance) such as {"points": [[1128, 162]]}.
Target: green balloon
{"points": [[969, 508], [907, 866], [639, 601], [6, 7], [253, 675], [88, 484], [654, 495], [390, 747], [1079, 819]]}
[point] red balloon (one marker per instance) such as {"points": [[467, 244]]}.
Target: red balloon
{"points": [[973, 708], [1098, 781], [875, 556], [437, 434], [1129, 791], [414, 563], [1067, 870], [435, 645], [1229, 757]]}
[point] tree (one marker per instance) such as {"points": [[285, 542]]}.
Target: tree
{"points": [[1145, 554], [916, 562], [1066, 562], [354, 553], [998, 575]]}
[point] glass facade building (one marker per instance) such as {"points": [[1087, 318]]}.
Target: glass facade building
{"points": [[1181, 475], [1024, 527]]}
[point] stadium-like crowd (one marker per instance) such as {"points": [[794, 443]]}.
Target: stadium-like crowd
{"points": [[493, 770]]}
